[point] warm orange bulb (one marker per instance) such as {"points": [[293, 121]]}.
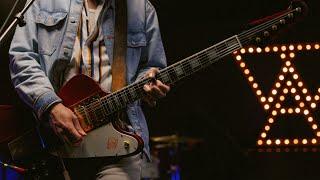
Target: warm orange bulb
{"points": [[278, 142], [316, 97], [288, 63], [250, 78], [304, 90], [260, 142], [283, 48], [285, 91], [238, 58], [308, 98], [246, 71], [306, 112], [310, 119], [255, 85], [270, 120], [283, 111], [267, 49], [286, 141], [308, 47], [297, 110], [299, 47], [278, 105], [242, 51], [275, 49], [313, 141], [269, 142], [259, 92], [293, 90], [266, 107], [274, 92], [295, 76], [316, 46], [313, 105], [242, 65], [292, 55], [291, 47], [295, 141], [270, 99], [318, 134], [300, 84], [283, 56], [301, 104], [281, 77], [290, 110], [267, 128], [314, 126], [274, 113], [259, 50], [304, 141], [250, 50], [281, 98]]}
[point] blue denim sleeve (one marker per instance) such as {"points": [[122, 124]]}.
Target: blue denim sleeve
{"points": [[154, 51], [27, 75]]}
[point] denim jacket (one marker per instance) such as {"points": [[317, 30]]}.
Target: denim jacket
{"points": [[49, 37]]}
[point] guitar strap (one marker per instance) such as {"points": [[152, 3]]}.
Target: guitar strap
{"points": [[118, 69]]}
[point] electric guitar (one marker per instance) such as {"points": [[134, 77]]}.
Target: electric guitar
{"points": [[94, 107]]}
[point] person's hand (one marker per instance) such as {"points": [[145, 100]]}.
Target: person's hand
{"points": [[66, 124], [155, 89]]}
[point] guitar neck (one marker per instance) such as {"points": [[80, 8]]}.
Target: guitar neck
{"points": [[171, 74]]}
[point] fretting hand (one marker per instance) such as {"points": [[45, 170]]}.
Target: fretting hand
{"points": [[155, 89]]}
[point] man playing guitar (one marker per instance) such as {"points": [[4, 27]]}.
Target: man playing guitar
{"points": [[64, 38]]}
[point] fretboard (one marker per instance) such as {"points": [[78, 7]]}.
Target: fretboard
{"points": [[171, 74]]}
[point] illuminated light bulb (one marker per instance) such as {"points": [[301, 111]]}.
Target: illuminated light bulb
{"points": [[286, 142], [263, 135], [274, 92], [316, 46], [266, 107], [304, 141], [242, 65], [310, 119], [278, 142], [291, 47], [285, 69], [295, 141], [314, 126], [319, 90], [300, 84], [306, 112], [255, 85], [301, 104], [308, 47], [299, 47], [242, 51], [313, 141], [259, 92], [292, 55], [281, 77], [278, 84], [288, 63], [291, 69], [295, 76], [283, 111], [269, 142], [246, 71], [293, 90], [313, 105], [297, 110], [274, 113], [290, 110], [281, 98], [267, 128], [238, 58], [285, 91], [304, 91], [308, 98], [275, 49], [270, 99], [289, 83], [283, 56], [318, 133], [283, 48], [260, 142], [263, 99], [278, 105], [316, 97], [259, 50], [297, 97], [267, 49], [250, 50], [270, 120], [250, 78]]}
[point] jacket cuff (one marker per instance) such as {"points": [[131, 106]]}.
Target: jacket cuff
{"points": [[44, 102]]}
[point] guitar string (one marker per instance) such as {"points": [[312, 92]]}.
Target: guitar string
{"points": [[124, 94]]}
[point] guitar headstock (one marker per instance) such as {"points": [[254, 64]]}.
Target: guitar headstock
{"points": [[263, 29]]}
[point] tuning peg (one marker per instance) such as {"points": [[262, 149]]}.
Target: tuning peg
{"points": [[258, 39], [290, 15], [266, 33], [298, 9], [274, 27], [282, 21]]}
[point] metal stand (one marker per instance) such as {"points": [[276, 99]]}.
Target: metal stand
{"points": [[18, 19]]}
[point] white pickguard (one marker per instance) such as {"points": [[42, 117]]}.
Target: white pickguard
{"points": [[102, 142]]}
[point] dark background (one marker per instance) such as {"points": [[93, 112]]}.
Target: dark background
{"points": [[217, 104]]}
